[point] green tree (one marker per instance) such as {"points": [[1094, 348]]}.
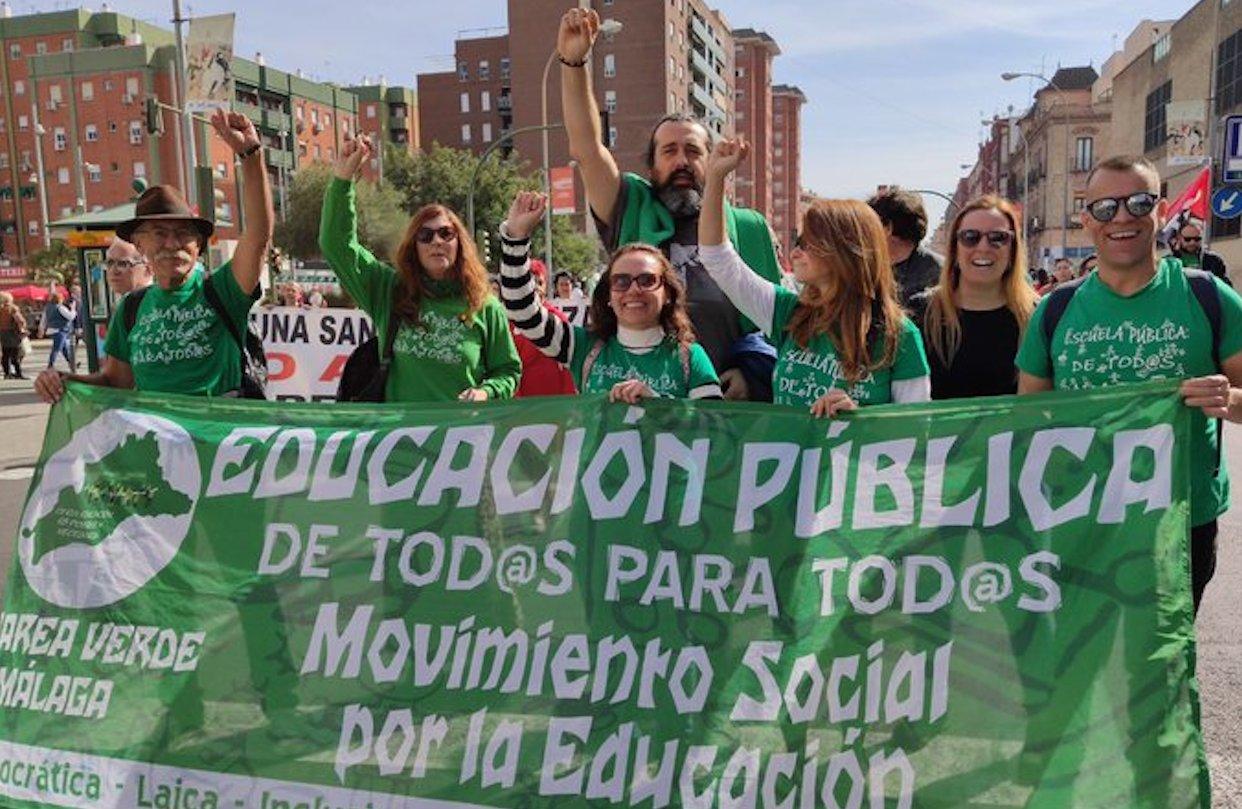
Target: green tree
{"points": [[380, 216], [57, 263]]}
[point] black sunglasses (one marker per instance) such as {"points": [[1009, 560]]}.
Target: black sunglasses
{"points": [[645, 281], [1105, 209], [971, 237], [426, 235]]}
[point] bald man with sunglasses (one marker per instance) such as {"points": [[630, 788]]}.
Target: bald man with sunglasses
{"points": [[1137, 318]]}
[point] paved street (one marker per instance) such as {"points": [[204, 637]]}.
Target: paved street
{"points": [[1220, 623]]}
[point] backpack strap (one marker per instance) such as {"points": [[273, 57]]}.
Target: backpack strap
{"points": [[1203, 285], [390, 337], [1058, 301], [589, 362], [129, 308], [217, 305]]}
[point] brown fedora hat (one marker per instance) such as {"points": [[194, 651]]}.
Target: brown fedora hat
{"points": [[162, 203]]}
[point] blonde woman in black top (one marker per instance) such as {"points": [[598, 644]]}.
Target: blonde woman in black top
{"points": [[973, 319]]}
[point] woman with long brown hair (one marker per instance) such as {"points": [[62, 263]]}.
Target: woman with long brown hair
{"points": [[843, 341], [972, 321], [640, 343], [452, 338]]}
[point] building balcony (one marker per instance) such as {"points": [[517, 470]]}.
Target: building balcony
{"points": [[504, 103], [277, 120], [278, 158], [251, 111]]}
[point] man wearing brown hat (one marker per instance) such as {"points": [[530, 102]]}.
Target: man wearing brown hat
{"points": [[178, 342]]}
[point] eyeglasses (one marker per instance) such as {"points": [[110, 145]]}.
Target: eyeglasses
{"points": [[122, 263], [996, 238], [646, 281], [163, 234], [1192, 238], [1105, 209], [447, 233]]}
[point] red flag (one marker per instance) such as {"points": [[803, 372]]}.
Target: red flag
{"points": [[1194, 199]]}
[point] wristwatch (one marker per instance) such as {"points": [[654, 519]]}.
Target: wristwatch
{"points": [[243, 154]]}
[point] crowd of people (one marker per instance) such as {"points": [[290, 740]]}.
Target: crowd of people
{"points": [[692, 303]]}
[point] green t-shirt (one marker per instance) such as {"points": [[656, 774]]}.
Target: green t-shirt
{"points": [[1159, 332], [179, 344], [803, 375], [661, 367], [445, 354]]}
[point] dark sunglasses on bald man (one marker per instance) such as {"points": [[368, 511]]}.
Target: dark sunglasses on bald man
{"points": [[971, 237], [447, 233], [1105, 209]]}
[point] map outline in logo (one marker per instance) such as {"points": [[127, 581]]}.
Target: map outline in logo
{"points": [[80, 575]]}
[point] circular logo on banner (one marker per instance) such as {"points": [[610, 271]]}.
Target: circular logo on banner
{"points": [[110, 510]]}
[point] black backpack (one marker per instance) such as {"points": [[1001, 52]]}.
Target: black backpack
{"points": [[253, 357], [365, 375]]}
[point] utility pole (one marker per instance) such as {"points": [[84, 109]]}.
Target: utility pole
{"points": [[187, 126]]}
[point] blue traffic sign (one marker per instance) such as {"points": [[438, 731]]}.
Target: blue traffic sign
{"points": [[1227, 202], [1231, 164]]}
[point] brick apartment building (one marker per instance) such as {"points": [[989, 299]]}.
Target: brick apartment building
{"points": [[786, 162], [752, 94], [469, 107], [77, 83], [390, 116]]}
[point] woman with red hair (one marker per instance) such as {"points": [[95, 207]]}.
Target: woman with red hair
{"points": [[843, 341], [452, 336]]}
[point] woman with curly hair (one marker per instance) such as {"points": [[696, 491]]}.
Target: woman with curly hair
{"points": [[451, 338], [972, 321], [843, 340], [640, 343]]}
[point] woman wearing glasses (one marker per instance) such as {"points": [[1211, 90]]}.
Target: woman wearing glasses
{"points": [[972, 321], [640, 343], [843, 341], [452, 339]]}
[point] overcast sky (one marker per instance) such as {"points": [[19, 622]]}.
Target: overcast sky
{"points": [[896, 89]]}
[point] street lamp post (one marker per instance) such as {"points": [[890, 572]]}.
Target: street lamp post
{"points": [[39, 178], [1069, 155], [474, 175], [607, 28]]}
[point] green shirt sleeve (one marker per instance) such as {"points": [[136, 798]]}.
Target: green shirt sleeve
{"points": [[782, 310], [911, 359], [367, 279], [1034, 357], [502, 368], [1230, 320], [116, 343], [701, 370], [236, 302], [583, 341]]}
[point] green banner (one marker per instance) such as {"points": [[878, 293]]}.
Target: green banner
{"points": [[564, 602]]}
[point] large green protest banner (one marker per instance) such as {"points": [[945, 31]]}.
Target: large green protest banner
{"points": [[565, 602]]}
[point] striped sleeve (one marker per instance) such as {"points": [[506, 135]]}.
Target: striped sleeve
{"points": [[549, 333]]}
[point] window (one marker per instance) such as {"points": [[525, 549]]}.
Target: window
{"points": [[485, 69], [487, 133], [1228, 76], [54, 96], [19, 88], [1083, 154], [485, 101], [4, 160], [1161, 48], [610, 100], [135, 132], [92, 133], [23, 123], [59, 141], [504, 67], [1080, 204], [66, 44], [108, 85], [465, 102], [62, 176], [672, 66], [115, 167], [40, 48], [672, 102], [465, 133], [15, 51], [88, 91], [463, 72], [32, 227], [131, 87], [610, 66], [612, 137], [93, 171], [1155, 130], [112, 126], [740, 73]]}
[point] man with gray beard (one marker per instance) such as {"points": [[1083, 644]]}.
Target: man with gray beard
{"points": [[662, 209]]}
